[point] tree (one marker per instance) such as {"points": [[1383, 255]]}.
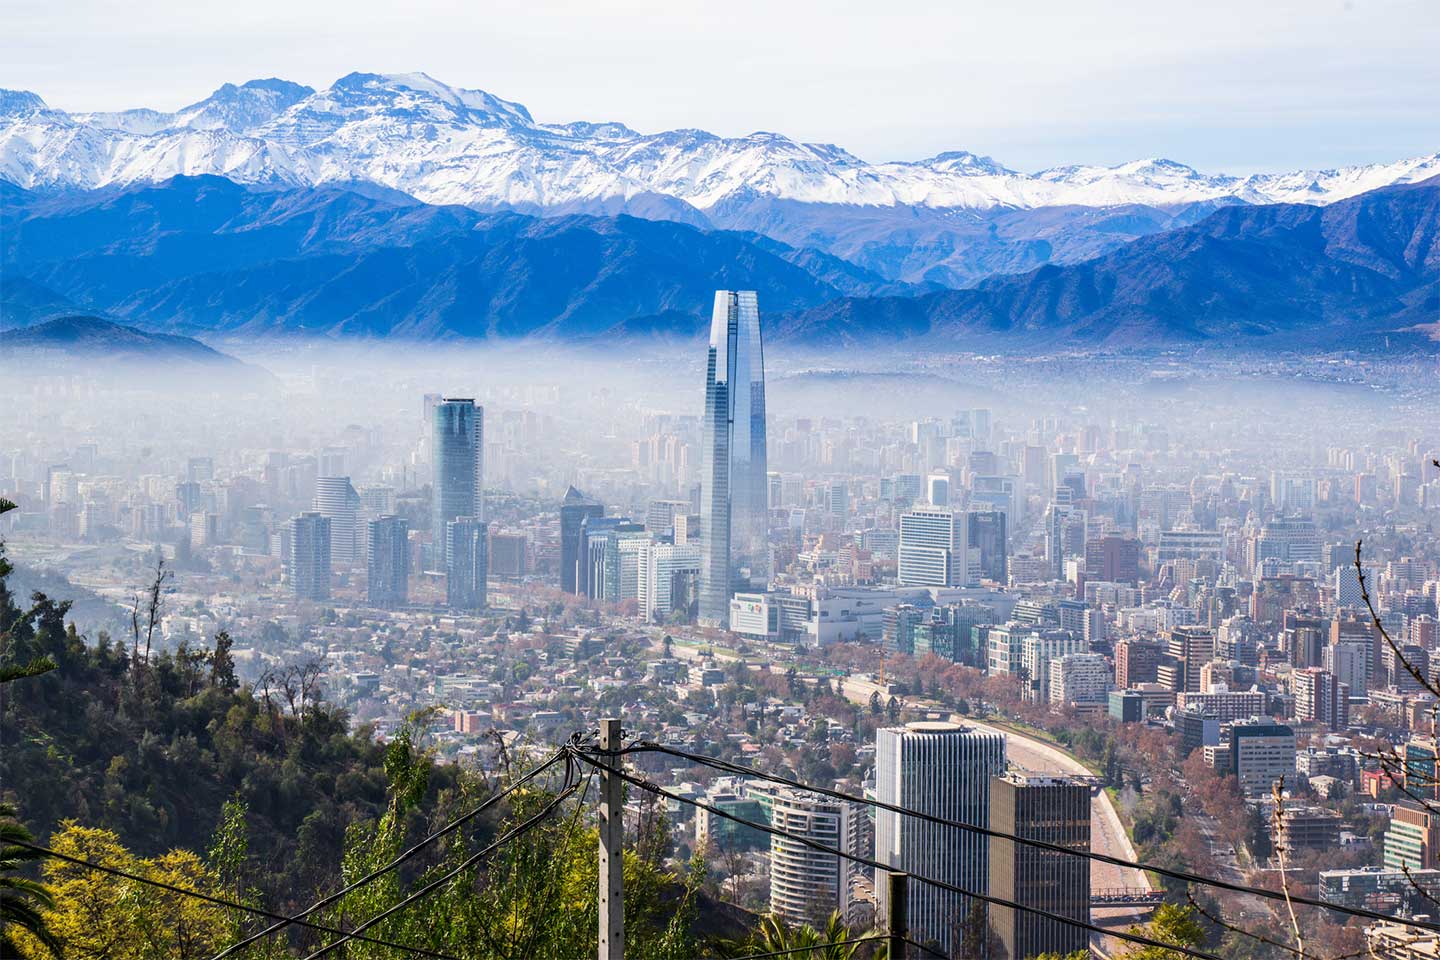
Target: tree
{"points": [[1174, 925], [876, 707], [92, 915], [834, 941], [222, 664], [21, 899], [35, 665]]}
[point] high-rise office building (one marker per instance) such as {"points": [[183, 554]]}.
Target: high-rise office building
{"points": [[734, 493], [1261, 753], [937, 488], [574, 510], [665, 572], [336, 498], [942, 769], [985, 534], [933, 551], [467, 566], [612, 558], [660, 516], [806, 885], [310, 557], [377, 500], [457, 451], [388, 561], [1188, 648], [1054, 810], [1137, 661], [1113, 559]]}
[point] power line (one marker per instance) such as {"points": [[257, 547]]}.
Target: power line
{"points": [[393, 864], [570, 788], [217, 901], [1182, 875], [877, 865], [837, 943]]}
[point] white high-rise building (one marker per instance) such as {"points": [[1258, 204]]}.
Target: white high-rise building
{"points": [[933, 550], [942, 769], [1080, 678], [806, 885], [1038, 654], [336, 498]]}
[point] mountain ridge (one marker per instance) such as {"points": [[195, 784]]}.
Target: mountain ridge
{"points": [[1300, 274], [451, 145], [951, 219], [206, 254]]}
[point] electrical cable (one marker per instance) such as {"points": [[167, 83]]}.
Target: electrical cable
{"points": [[877, 865], [468, 862], [219, 902], [1181, 875], [381, 871]]}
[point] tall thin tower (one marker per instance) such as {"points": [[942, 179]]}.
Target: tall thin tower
{"points": [[733, 506], [458, 452]]}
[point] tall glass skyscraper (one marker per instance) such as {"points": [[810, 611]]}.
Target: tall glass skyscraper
{"points": [[458, 453], [733, 506], [574, 510]]}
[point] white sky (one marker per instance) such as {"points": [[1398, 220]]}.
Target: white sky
{"points": [[1224, 85]]}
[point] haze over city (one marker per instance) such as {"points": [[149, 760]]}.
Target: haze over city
{"points": [[462, 496]]}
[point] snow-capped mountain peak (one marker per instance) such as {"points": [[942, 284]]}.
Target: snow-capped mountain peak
{"points": [[20, 103], [967, 164], [445, 144]]}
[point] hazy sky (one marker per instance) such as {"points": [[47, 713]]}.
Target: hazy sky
{"points": [[1236, 85]]}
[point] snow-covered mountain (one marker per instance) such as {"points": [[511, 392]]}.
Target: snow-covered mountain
{"points": [[446, 145]]}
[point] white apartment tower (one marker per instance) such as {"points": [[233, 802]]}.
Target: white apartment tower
{"points": [[942, 769]]}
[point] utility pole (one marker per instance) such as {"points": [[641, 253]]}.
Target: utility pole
{"points": [[612, 845], [895, 921]]}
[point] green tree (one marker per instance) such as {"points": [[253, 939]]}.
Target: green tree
{"points": [[1174, 925], [832, 941], [22, 900], [93, 916]]}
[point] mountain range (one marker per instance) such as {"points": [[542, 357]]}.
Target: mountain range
{"points": [[394, 206], [203, 255], [1278, 275], [951, 219]]}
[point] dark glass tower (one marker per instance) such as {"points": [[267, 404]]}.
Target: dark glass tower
{"points": [[733, 506], [574, 510], [1055, 810]]}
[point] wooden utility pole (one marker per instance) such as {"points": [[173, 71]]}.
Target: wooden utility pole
{"points": [[612, 845], [895, 920]]}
